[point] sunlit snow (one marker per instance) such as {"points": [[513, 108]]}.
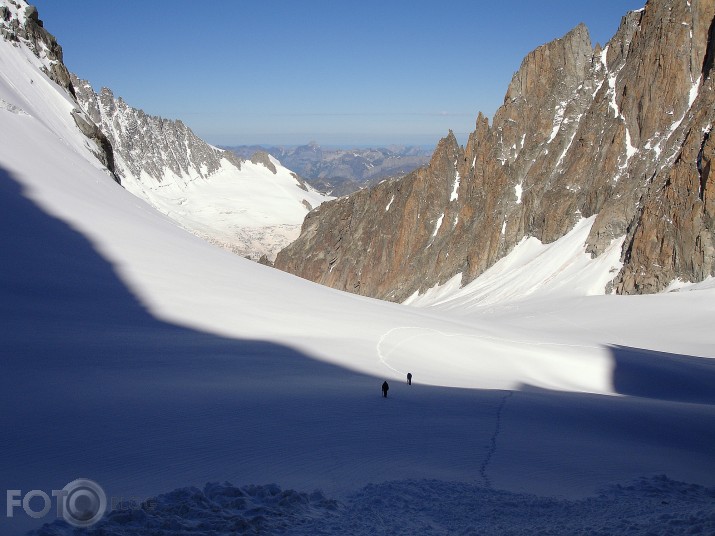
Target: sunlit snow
{"points": [[140, 356], [455, 190]]}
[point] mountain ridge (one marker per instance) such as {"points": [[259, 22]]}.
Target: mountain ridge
{"points": [[251, 206], [613, 132]]}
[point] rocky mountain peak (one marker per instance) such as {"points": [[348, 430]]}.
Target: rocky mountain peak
{"points": [[566, 58], [447, 153], [619, 132], [20, 23]]}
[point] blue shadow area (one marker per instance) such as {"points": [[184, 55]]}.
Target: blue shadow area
{"points": [[663, 376], [92, 385]]}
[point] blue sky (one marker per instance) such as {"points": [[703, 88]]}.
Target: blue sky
{"points": [[336, 72]]}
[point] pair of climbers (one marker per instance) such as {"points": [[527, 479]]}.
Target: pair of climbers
{"points": [[386, 387]]}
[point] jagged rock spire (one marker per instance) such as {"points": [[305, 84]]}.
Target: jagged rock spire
{"points": [[621, 132]]}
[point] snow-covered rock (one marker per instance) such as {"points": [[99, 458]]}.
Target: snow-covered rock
{"points": [[656, 505], [252, 207]]}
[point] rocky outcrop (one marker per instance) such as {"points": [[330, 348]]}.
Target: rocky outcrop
{"points": [[372, 228], [263, 158], [621, 132], [31, 30], [20, 23], [105, 154], [673, 235], [148, 147]]}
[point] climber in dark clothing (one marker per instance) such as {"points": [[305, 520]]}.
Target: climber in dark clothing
{"points": [[385, 388], [409, 378]]}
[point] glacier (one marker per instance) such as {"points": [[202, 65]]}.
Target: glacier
{"points": [[142, 357]]}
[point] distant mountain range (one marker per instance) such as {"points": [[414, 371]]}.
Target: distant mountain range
{"points": [[338, 171]]}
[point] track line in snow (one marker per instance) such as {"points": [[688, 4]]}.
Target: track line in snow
{"points": [[382, 356], [493, 440]]}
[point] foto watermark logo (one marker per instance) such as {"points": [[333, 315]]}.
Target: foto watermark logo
{"points": [[81, 503]]}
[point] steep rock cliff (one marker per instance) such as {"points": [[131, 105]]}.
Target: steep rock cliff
{"points": [[621, 132], [20, 24]]}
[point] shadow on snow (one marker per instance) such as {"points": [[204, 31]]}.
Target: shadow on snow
{"points": [[92, 385], [663, 376]]}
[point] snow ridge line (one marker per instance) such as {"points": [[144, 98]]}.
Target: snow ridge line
{"points": [[493, 441]]}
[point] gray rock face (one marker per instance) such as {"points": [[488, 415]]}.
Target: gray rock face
{"points": [[264, 159], [145, 146], [26, 26], [41, 42], [89, 129], [622, 133], [209, 191]]}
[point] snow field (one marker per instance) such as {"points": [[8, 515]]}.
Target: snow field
{"points": [[140, 356], [250, 211]]}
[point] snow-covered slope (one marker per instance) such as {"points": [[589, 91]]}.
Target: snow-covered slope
{"points": [[139, 356], [252, 207], [532, 269]]}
